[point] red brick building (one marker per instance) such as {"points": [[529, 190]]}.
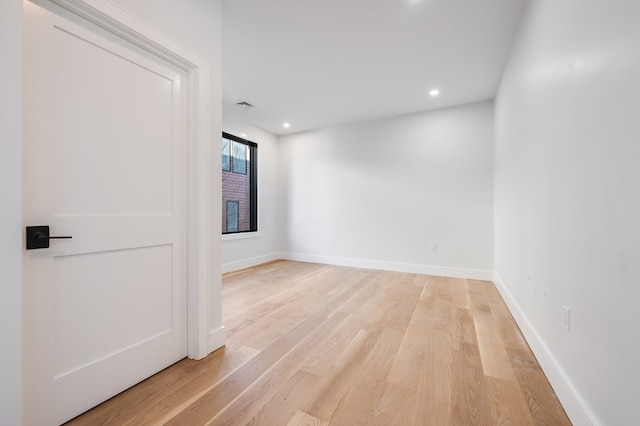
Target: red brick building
{"points": [[235, 188]]}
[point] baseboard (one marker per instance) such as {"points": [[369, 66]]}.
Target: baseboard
{"points": [[574, 405], [217, 338], [247, 263], [475, 274]]}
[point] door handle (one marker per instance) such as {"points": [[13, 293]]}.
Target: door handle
{"points": [[38, 237]]}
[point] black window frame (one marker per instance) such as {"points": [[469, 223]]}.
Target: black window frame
{"points": [[252, 169]]}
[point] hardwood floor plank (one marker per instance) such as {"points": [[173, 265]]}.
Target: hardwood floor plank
{"points": [[248, 288], [444, 317], [410, 357], [358, 406], [543, 404], [459, 292], [264, 322], [374, 288], [321, 362], [216, 400], [507, 403], [434, 394], [396, 309], [469, 404], [395, 406], [168, 407], [540, 396], [341, 376], [303, 419], [293, 394], [252, 400], [452, 290], [493, 354]]}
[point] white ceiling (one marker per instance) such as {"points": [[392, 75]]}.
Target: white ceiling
{"points": [[317, 63]]}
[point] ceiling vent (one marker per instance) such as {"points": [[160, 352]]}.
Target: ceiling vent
{"points": [[244, 105]]}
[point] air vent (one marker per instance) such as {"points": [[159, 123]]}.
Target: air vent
{"points": [[244, 105]]}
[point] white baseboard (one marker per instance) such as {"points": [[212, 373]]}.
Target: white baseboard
{"points": [[217, 338], [247, 263], [575, 406], [475, 274]]}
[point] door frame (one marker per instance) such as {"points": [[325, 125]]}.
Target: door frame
{"points": [[203, 291]]}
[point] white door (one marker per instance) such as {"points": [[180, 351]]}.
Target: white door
{"points": [[105, 153]]}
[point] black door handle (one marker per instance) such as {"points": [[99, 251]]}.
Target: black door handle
{"points": [[38, 237]]}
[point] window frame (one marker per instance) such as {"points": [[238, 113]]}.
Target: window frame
{"points": [[252, 170]]}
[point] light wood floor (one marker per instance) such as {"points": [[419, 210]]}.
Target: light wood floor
{"points": [[311, 344]]}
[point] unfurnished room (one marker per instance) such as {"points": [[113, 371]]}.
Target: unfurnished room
{"points": [[320, 212]]}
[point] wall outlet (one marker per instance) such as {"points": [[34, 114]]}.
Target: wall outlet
{"points": [[566, 319], [434, 247]]}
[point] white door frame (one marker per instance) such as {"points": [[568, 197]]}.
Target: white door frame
{"points": [[201, 341]]}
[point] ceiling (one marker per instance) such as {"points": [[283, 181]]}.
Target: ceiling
{"points": [[318, 63]]}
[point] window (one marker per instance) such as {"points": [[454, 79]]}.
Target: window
{"points": [[239, 158], [233, 216], [234, 156], [239, 185], [226, 155]]}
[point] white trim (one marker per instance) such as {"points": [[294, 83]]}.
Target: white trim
{"points": [[11, 352], [445, 271], [247, 263], [119, 22], [200, 208], [217, 338], [241, 236], [575, 406]]}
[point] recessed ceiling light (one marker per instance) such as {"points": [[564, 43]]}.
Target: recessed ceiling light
{"points": [[434, 92], [286, 125], [244, 135]]}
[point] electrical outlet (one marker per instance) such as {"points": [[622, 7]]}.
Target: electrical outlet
{"points": [[434, 247], [566, 319]]}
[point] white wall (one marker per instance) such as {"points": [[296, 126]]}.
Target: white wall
{"points": [[197, 25], [378, 194], [245, 250], [10, 212], [567, 200]]}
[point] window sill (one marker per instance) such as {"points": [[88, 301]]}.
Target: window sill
{"points": [[240, 236]]}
